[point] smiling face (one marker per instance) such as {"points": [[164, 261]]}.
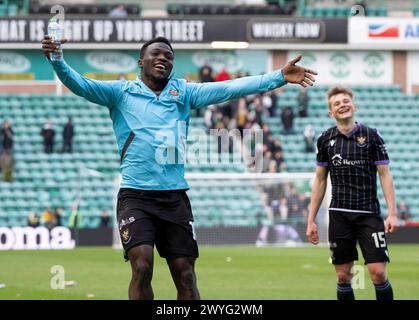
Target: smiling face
{"points": [[157, 62], [341, 107]]}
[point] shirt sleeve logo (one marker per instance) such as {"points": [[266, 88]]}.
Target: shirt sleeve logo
{"points": [[332, 142], [382, 148]]}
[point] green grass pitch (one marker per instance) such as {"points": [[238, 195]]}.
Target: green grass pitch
{"points": [[224, 272]]}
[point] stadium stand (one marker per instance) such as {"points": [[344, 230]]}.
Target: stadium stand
{"points": [[13, 8], [201, 9], [87, 9], [55, 180], [306, 8]]}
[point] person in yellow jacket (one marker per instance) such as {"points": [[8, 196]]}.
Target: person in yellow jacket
{"points": [[75, 218]]}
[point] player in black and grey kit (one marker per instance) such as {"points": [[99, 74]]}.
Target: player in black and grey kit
{"points": [[353, 154]]}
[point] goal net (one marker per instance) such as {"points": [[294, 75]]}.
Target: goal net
{"points": [[262, 209]]}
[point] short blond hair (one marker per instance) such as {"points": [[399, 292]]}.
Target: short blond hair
{"points": [[338, 90]]}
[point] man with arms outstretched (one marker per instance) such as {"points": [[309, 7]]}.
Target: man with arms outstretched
{"points": [[153, 208]]}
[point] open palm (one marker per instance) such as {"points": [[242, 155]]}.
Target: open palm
{"points": [[299, 75]]}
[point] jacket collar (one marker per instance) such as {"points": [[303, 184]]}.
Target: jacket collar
{"points": [[350, 134], [142, 87]]}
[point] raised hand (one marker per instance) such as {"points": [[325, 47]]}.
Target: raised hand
{"points": [[48, 45], [299, 75]]}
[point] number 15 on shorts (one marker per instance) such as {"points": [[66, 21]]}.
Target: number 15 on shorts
{"points": [[379, 239]]}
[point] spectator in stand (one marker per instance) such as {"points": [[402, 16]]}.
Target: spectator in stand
{"points": [[7, 164], [277, 146], [68, 134], [258, 110], [303, 103], [274, 99], [280, 162], [206, 74], [210, 117], [7, 136], [283, 209], [287, 118], [118, 12], [33, 219], [273, 166], [223, 75], [295, 210], [241, 115], [268, 104], [309, 135], [75, 220], [265, 149], [267, 159], [105, 219], [265, 131], [303, 203], [58, 214], [48, 219], [48, 134], [404, 211], [238, 74], [269, 141], [226, 109]]}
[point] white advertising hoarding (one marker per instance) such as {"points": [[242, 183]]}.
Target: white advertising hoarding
{"points": [[389, 31], [40, 238], [349, 67]]}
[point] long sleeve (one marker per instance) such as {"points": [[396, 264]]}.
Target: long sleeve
{"points": [[104, 93], [204, 94]]}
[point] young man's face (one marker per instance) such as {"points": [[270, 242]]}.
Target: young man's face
{"points": [[157, 62], [341, 107]]}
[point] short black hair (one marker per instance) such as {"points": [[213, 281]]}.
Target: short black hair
{"points": [[158, 39]]}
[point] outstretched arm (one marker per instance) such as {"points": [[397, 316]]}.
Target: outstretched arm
{"points": [[204, 94], [101, 92]]}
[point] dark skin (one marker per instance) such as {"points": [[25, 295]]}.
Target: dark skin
{"points": [[156, 66], [48, 45], [182, 270]]}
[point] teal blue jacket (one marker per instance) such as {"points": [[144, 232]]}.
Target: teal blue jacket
{"points": [[151, 130]]}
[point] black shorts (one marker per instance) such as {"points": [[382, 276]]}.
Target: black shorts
{"points": [[161, 218], [346, 228]]}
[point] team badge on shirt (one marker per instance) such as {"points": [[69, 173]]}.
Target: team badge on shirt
{"points": [[174, 92], [361, 141]]}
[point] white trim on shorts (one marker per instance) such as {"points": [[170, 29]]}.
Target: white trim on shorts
{"points": [[349, 210]]}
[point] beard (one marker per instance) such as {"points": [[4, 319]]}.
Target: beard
{"points": [[158, 78]]}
